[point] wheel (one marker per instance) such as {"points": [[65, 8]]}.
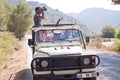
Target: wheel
{"points": [[94, 78], [65, 79], [37, 78]]}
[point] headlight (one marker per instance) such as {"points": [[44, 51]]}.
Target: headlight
{"points": [[44, 63], [86, 61]]}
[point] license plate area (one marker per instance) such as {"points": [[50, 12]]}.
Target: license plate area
{"points": [[87, 75]]}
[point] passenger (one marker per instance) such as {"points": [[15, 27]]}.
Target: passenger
{"points": [[62, 36], [41, 36], [50, 36], [39, 16]]}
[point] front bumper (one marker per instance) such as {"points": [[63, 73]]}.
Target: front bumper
{"points": [[66, 76], [65, 67]]}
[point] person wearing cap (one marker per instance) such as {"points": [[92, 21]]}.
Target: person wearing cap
{"points": [[38, 17]]}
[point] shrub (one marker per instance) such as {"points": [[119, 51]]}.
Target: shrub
{"points": [[8, 43], [96, 43], [116, 46], [117, 33], [106, 40]]}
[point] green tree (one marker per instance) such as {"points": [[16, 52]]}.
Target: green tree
{"points": [[20, 20], [5, 9], [108, 31], [116, 1], [2, 13], [117, 33]]}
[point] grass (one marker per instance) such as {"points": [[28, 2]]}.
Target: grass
{"points": [[115, 46], [106, 39], [8, 44], [97, 43]]}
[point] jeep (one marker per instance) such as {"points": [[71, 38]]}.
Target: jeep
{"points": [[59, 53]]}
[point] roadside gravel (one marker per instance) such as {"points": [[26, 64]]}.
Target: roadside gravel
{"points": [[15, 63]]}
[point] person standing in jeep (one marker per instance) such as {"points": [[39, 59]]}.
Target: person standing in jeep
{"points": [[39, 16]]}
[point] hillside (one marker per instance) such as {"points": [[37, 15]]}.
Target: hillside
{"points": [[96, 18], [52, 15]]}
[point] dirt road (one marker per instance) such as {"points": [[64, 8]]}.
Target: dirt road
{"points": [[16, 65], [109, 67]]}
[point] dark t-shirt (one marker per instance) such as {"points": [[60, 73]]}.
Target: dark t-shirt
{"points": [[37, 21]]}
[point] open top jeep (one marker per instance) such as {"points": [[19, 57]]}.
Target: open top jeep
{"points": [[59, 53]]}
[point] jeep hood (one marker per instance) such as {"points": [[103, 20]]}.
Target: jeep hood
{"points": [[62, 50]]}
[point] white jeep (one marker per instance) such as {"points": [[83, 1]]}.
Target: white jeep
{"points": [[59, 53]]}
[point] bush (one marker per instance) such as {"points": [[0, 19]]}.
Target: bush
{"points": [[106, 40], [8, 44], [117, 33], [20, 20], [108, 31], [96, 43], [116, 46]]}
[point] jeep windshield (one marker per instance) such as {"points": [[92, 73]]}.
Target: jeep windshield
{"points": [[57, 37]]}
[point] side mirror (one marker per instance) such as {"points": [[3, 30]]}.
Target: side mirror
{"points": [[30, 43], [87, 39]]}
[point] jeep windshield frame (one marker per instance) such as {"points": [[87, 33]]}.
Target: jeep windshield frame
{"points": [[59, 30]]}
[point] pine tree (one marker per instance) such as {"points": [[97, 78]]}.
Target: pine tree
{"points": [[20, 20], [2, 14], [5, 9], [117, 33], [108, 31], [116, 1]]}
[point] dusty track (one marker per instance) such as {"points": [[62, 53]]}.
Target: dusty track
{"points": [[15, 65]]}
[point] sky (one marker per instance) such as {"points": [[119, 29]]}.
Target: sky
{"points": [[76, 6]]}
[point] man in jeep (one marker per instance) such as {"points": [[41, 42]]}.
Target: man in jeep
{"points": [[39, 16]]}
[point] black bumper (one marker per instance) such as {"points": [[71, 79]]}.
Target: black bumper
{"points": [[64, 76], [53, 77]]}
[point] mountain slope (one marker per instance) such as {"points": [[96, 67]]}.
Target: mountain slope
{"points": [[52, 15], [96, 18]]}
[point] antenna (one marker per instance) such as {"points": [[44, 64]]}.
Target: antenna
{"points": [[59, 21]]}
